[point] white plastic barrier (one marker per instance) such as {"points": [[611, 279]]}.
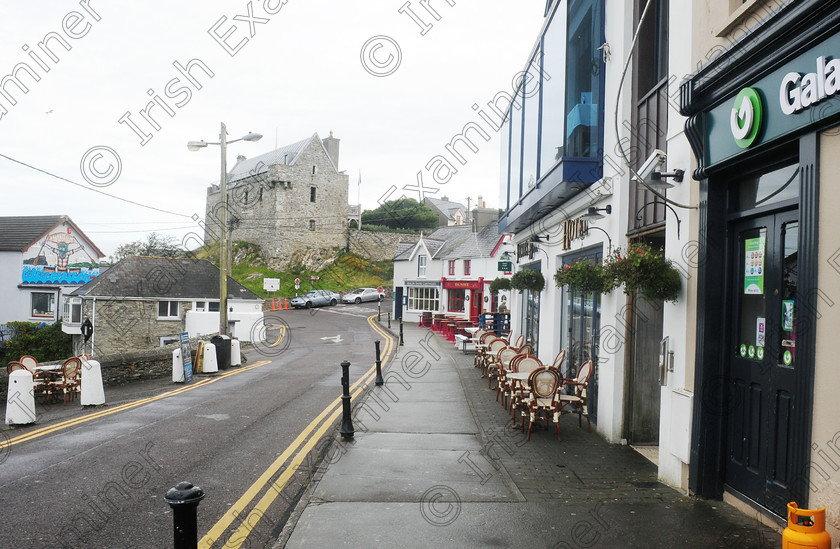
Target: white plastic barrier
{"points": [[235, 353], [20, 399], [211, 365], [177, 367], [93, 391]]}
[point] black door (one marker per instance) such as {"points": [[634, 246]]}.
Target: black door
{"points": [[762, 357], [398, 302]]}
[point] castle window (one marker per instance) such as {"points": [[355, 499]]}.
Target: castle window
{"points": [[261, 194], [245, 198], [313, 170], [312, 194], [311, 224]]}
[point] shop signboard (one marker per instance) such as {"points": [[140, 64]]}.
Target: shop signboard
{"points": [[801, 93], [186, 356]]}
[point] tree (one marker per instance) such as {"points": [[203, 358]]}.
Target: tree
{"points": [[155, 245], [403, 213]]}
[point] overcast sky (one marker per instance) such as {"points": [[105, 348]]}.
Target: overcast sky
{"points": [[285, 75]]}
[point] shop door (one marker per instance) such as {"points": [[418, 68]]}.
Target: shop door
{"points": [[476, 298], [583, 311], [645, 391], [762, 357]]}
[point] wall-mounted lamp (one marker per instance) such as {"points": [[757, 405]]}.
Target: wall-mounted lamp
{"points": [[655, 202], [658, 180], [538, 238], [593, 213]]}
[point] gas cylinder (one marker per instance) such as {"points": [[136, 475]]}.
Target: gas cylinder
{"points": [[806, 529]]}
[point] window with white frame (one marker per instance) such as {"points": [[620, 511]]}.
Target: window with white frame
{"points": [[43, 305], [72, 310], [424, 299], [421, 265], [206, 306], [169, 310]]}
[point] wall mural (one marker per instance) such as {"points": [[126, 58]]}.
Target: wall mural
{"points": [[60, 258]]}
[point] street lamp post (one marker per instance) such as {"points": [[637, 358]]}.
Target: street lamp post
{"points": [[223, 236]]}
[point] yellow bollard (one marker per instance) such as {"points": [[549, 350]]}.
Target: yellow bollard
{"points": [[806, 529]]}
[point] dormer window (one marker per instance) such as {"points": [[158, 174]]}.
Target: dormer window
{"points": [[421, 265]]}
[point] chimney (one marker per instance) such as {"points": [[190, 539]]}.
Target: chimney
{"points": [[331, 144], [444, 197], [484, 216], [240, 158], [480, 203]]}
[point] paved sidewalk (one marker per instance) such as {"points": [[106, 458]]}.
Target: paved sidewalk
{"points": [[434, 462]]}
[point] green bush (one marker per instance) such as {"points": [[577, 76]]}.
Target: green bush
{"points": [[528, 280], [583, 275], [45, 344], [643, 269], [498, 284]]}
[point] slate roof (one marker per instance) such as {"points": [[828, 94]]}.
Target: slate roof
{"points": [[286, 155], [17, 233], [446, 207], [457, 242], [162, 277]]}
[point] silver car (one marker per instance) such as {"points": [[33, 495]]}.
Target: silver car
{"points": [[363, 294], [315, 298]]}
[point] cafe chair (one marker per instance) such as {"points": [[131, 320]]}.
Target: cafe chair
{"points": [[526, 349], [39, 379], [490, 367], [558, 360], [544, 384], [576, 403], [503, 365], [68, 381], [520, 392]]}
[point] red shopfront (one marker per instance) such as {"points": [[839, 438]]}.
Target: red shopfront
{"points": [[464, 296]]}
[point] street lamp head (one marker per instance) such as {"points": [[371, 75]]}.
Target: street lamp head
{"points": [[252, 137], [195, 145]]}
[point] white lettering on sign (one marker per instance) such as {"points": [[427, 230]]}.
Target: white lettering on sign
{"points": [[798, 92]]}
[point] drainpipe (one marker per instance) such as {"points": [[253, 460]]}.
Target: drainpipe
{"points": [[93, 334]]}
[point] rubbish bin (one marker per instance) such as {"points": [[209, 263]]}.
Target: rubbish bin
{"points": [[222, 343]]}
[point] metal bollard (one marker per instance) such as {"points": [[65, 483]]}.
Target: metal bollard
{"points": [[346, 421], [402, 342], [379, 380], [389, 320], [378, 310], [184, 499]]}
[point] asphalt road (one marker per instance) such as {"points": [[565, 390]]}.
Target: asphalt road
{"points": [[250, 438]]}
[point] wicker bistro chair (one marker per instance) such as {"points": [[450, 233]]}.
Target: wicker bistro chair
{"points": [[576, 403], [39, 378], [68, 381], [559, 360], [544, 384], [503, 365], [481, 350], [476, 341], [490, 367], [520, 392]]}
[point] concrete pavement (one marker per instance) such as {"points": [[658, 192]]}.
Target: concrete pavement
{"points": [[434, 462]]}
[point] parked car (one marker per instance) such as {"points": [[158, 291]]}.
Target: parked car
{"points": [[363, 294], [315, 298]]}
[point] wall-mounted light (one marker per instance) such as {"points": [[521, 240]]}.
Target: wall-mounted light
{"points": [[658, 180], [594, 213], [538, 238]]}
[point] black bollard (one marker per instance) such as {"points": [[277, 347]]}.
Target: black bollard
{"points": [[184, 499], [346, 421], [389, 320], [379, 380], [378, 311], [402, 342]]}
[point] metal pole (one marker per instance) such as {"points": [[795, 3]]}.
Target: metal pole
{"points": [[389, 319], [346, 421], [402, 342], [184, 499], [223, 264], [379, 380], [378, 311]]}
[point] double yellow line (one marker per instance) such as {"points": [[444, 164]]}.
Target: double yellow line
{"points": [[43, 431], [331, 412]]}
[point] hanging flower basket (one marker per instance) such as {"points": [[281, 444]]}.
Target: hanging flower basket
{"points": [[644, 270], [498, 284], [585, 276], [528, 280]]}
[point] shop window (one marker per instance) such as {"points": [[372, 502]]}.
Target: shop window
{"points": [[583, 78], [169, 310], [451, 267], [467, 267], [421, 265], [43, 305], [424, 299], [456, 301], [766, 189]]}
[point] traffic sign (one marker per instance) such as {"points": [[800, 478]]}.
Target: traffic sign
{"points": [[297, 281], [313, 277], [380, 289]]}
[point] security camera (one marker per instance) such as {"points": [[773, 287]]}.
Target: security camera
{"points": [[653, 164]]}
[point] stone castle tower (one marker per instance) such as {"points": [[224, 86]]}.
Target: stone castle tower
{"points": [[286, 200]]}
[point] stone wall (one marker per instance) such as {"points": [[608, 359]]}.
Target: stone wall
{"points": [[123, 325], [276, 210], [377, 246]]}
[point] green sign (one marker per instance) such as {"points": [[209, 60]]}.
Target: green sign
{"points": [[754, 266], [760, 353], [787, 358], [799, 94], [743, 350], [751, 351], [506, 266], [745, 119]]}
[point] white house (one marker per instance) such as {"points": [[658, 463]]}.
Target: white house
{"points": [[42, 258], [450, 270]]}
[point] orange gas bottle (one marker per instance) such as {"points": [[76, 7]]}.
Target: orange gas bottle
{"points": [[806, 529]]}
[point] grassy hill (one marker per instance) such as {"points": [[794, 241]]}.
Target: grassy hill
{"points": [[347, 272]]}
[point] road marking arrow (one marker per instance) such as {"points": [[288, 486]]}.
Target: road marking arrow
{"points": [[334, 339]]}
